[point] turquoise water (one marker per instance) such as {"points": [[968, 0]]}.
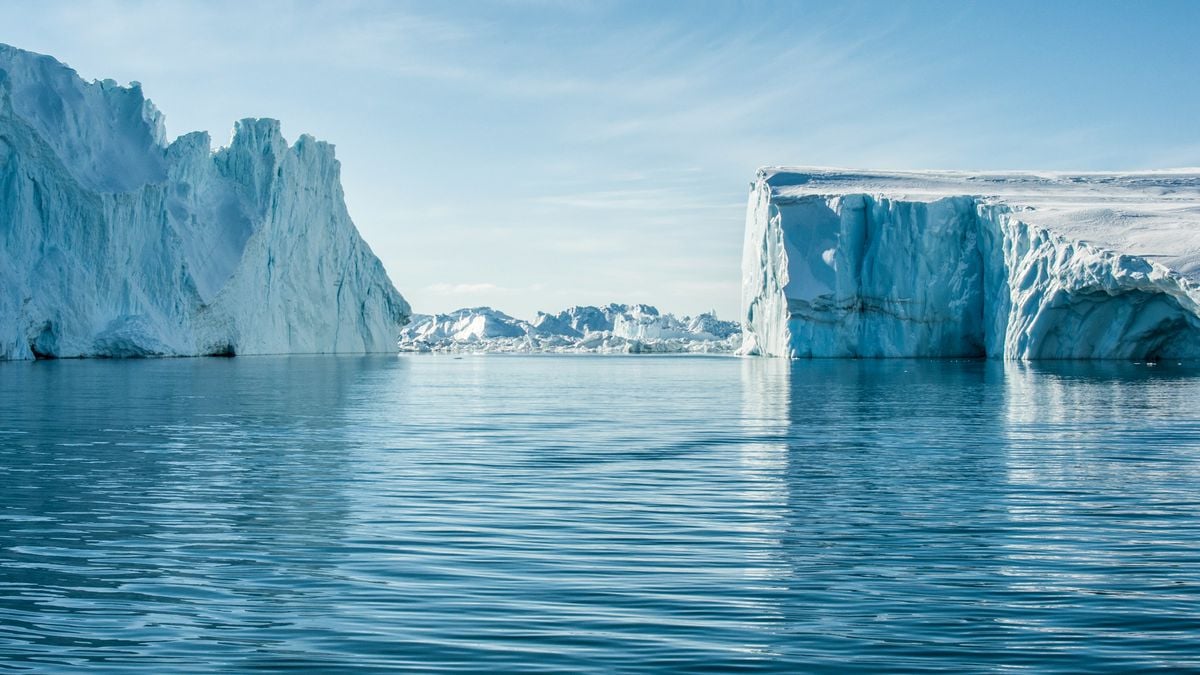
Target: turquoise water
{"points": [[598, 514]]}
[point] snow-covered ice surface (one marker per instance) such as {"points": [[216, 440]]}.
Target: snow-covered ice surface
{"points": [[114, 243], [612, 329], [842, 263]]}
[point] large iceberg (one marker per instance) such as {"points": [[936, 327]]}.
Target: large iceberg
{"points": [[115, 243], [611, 329], [947, 264]]}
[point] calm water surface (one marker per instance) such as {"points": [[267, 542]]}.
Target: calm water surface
{"points": [[598, 514]]}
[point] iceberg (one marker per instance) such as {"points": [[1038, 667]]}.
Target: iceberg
{"points": [[114, 243], [612, 329], [1017, 266]]}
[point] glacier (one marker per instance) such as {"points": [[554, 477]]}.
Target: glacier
{"points": [[115, 243], [1007, 265], [612, 329]]}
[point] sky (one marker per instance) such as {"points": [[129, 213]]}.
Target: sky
{"points": [[531, 155]]}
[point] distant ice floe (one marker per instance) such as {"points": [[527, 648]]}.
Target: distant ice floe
{"points": [[612, 329]]}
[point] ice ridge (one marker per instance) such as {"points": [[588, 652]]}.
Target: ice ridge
{"points": [[613, 328]]}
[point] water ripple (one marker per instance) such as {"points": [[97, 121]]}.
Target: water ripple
{"points": [[549, 514]]}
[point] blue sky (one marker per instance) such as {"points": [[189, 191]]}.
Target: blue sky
{"points": [[531, 155]]}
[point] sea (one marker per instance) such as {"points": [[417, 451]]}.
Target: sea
{"points": [[598, 514]]}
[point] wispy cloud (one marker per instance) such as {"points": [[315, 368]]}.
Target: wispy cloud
{"points": [[594, 151], [634, 200], [461, 289]]}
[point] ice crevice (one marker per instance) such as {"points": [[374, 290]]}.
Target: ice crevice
{"points": [[1012, 266]]}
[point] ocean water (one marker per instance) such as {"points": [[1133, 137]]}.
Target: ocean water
{"points": [[598, 514]]}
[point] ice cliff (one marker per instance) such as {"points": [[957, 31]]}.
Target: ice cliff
{"points": [[114, 243], [1017, 266], [614, 328]]}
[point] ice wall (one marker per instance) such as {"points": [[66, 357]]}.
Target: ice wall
{"points": [[115, 244], [856, 264]]}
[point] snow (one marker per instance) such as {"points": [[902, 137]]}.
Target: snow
{"points": [[117, 244], [614, 328], [842, 263]]}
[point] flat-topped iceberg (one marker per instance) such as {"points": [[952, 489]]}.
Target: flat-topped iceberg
{"points": [[114, 243], [612, 329], [947, 264]]}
